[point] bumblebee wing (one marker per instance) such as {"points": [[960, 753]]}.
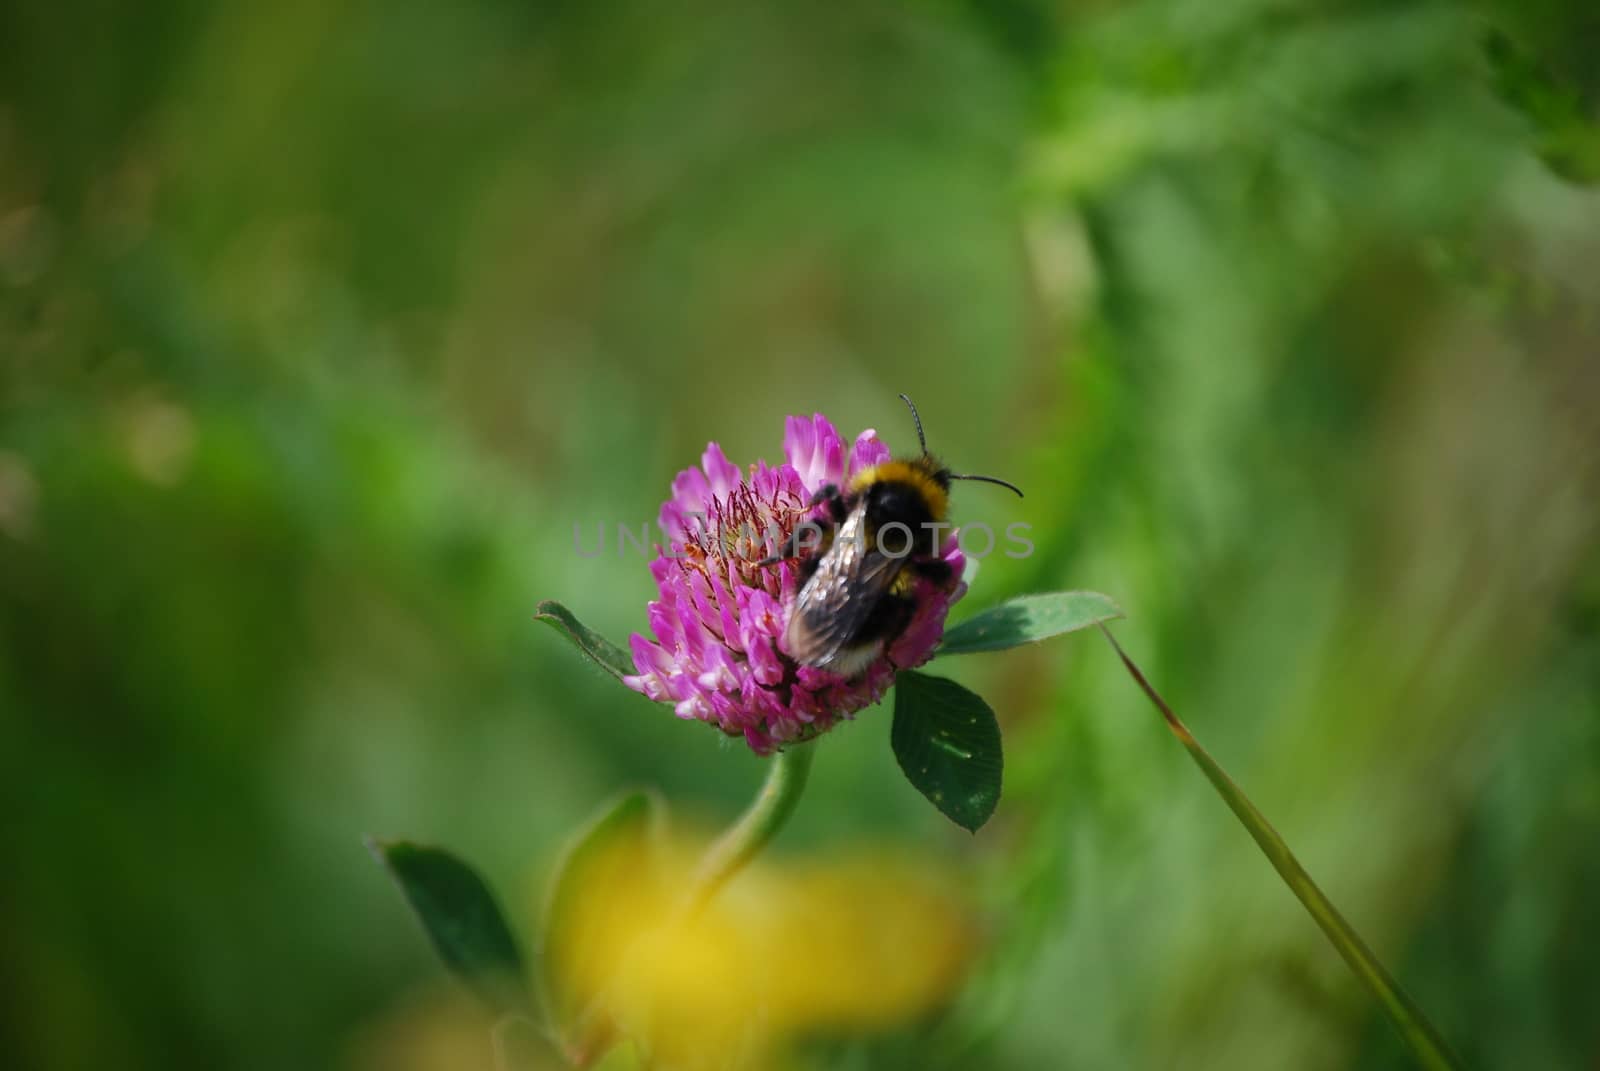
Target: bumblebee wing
{"points": [[835, 603]]}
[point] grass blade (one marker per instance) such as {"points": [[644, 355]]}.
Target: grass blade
{"points": [[1427, 1044]]}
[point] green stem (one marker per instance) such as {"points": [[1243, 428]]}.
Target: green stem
{"points": [[1427, 1044], [786, 780]]}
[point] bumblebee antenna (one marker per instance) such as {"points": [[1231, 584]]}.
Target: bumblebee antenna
{"points": [[920, 440], [990, 479]]}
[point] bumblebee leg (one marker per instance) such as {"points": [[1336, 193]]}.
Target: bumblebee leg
{"points": [[792, 546], [838, 509], [935, 569], [807, 569]]}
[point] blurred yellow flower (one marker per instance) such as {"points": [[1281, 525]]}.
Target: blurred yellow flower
{"points": [[784, 950]]}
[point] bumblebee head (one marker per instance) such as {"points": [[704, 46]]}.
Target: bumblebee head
{"points": [[917, 487]]}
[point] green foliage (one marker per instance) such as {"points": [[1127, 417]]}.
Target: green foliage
{"points": [[1029, 619], [947, 743], [1566, 129], [462, 920]]}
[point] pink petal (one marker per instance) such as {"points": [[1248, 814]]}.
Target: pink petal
{"points": [[666, 625], [814, 450], [723, 474], [695, 706], [765, 665], [732, 714], [759, 742], [761, 616], [649, 658], [867, 451], [690, 497], [728, 613]]}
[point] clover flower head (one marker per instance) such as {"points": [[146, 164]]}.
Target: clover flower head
{"points": [[718, 650]]}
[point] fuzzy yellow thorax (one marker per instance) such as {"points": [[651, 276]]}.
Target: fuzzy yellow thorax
{"points": [[918, 473]]}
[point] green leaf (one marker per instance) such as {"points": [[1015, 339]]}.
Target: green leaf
{"points": [[461, 918], [1029, 619], [607, 655], [613, 851], [948, 743]]}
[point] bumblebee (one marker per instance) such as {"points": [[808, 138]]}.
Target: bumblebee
{"points": [[881, 535]]}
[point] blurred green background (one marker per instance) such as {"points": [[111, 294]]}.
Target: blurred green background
{"points": [[323, 323]]}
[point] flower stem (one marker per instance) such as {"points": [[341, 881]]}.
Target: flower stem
{"points": [[766, 815], [1427, 1044]]}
